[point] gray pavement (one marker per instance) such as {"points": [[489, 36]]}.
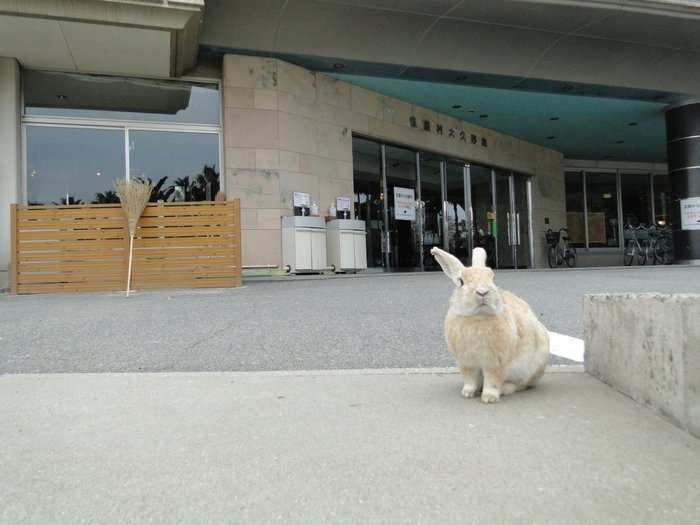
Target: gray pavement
{"points": [[335, 447], [356, 322]]}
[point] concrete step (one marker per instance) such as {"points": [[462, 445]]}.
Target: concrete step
{"points": [[379, 446]]}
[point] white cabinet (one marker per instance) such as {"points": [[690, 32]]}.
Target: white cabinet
{"points": [[347, 248], [360, 250], [304, 244], [318, 250]]}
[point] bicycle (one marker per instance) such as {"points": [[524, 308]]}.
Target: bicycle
{"points": [[637, 245], [559, 251], [660, 245]]}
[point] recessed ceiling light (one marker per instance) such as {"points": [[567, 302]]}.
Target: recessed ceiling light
{"points": [[457, 106], [553, 118], [619, 142], [484, 115], [633, 124], [471, 111], [338, 66], [551, 137]]}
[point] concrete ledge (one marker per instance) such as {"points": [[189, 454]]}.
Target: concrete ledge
{"points": [[648, 347]]}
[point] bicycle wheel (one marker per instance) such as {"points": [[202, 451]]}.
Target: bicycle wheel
{"points": [[630, 252], [570, 257], [662, 251], [643, 254], [552, 257]]}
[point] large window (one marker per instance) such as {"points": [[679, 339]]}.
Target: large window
{"points": [[601, 204], [73, 165], [83, 132], [636, 199], [602, 216], [662, 200], [575, 207]]}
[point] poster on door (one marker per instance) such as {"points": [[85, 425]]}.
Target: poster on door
{"points": [[690, 214], [404, 204]]}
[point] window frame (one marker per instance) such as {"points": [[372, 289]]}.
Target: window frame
{"points": [[125, 126]]}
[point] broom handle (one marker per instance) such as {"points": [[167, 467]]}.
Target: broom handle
{"points": [[131, 252]]}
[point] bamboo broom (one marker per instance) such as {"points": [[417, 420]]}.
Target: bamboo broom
{"points": [[134, 194]]}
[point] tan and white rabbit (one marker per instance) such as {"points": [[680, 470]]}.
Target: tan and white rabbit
{"points": [[495, 337]]}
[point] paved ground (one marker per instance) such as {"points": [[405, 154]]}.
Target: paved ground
{"points": [[363, 322], [334, 447]]}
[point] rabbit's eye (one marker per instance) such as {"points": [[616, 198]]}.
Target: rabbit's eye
{"points": [[461, 281]]}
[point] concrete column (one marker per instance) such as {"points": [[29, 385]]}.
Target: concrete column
{"points": [[683, 144], [9, 156]]}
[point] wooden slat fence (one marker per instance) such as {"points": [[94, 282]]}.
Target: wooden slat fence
{"points": [[85, 248]]}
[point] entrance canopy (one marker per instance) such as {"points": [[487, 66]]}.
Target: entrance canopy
{"points": [[591, 79], [646, 48]]}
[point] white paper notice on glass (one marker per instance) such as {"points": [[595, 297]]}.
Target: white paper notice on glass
{"points": [[690, 213], [302, 199], [404, 204], [342, 203]]}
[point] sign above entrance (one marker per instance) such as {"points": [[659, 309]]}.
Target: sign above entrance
{"points": [[690, 213], [404, 204]]}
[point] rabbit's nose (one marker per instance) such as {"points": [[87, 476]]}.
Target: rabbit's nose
{"points": [[482, 292]]}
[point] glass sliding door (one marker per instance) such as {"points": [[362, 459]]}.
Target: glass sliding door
{"points": [[482, 212], [521, 221], [505, 235], [430, 211], [512, 220], [456, 217], [369, 197], [402, 229]]}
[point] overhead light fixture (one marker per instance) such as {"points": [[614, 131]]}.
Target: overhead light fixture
{"points": [[553, 118], [607, 195], [61, 97], [551, 137], [633, 124], [484, 115], [457, 106], [471, 111]]}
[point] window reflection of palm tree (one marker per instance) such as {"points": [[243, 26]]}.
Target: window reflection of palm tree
{"points": [[202, 186], [71, 201], [106, 197]]}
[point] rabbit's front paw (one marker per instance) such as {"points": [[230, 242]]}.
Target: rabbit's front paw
{"points": [[490, 395], [468, 391]]}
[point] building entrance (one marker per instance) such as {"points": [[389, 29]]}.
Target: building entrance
{"points": [[415, 201]]}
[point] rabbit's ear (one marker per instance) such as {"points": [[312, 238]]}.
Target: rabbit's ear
{"points": [[450, 265], [478, 257]]}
